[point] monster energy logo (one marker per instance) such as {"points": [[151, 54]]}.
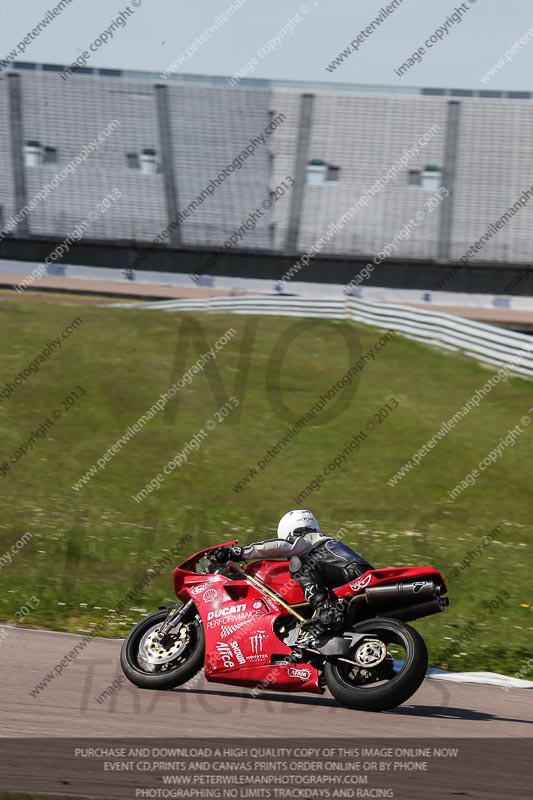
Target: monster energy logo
{"points": [[256, 642]]}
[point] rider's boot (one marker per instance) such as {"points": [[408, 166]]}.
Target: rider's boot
{"points": [[328, 618]]}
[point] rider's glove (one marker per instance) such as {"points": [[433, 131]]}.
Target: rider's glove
{"points": [[223, 554]]}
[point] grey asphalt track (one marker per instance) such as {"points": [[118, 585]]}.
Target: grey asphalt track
{"points": [[39, 733], [68, 705]]}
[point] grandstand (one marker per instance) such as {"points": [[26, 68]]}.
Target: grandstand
{"points": [[172, 138]]}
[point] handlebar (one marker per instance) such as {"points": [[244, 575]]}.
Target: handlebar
{"points": [[215, 567]]}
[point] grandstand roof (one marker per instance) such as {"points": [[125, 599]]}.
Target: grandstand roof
{"points": [[266, 83]]}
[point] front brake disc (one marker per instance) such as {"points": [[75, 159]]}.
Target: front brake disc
{"points": [[157, 653]]}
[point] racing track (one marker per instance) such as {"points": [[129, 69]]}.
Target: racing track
{"points": [[68, 707]]}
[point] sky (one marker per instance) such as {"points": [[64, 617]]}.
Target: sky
{"points": [[157, 32]]}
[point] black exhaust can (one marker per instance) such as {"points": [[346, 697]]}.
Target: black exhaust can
{"points": [[401, 594], [418, 610]]}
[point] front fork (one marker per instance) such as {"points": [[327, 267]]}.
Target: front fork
{"points": [[175, 616]]}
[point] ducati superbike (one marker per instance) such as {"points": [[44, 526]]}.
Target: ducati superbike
{"points": [[243, 627]]}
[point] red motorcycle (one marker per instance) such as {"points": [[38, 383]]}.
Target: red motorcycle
{"points": [[243, 626]]}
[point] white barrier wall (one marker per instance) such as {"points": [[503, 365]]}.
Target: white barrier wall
{"points": [[478, 340]]}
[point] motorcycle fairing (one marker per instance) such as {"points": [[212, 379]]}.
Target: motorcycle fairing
{"points": [[238, 623]]}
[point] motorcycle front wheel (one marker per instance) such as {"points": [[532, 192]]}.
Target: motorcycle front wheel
{"points": [[151, 664], [391, 663]]}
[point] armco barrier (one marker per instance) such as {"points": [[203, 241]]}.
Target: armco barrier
{"points": [[486, 343]]}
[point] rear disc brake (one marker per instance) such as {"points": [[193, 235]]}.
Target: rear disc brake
{"points": [[371, 653]]}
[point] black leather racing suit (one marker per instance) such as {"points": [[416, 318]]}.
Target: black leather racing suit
{"points": [[317, 562]]}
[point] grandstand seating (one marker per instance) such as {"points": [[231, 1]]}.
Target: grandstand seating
{"points": [[360, 131]]}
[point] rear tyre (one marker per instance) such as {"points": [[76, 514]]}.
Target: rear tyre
{"points": [[153, 665], [380, 687]]}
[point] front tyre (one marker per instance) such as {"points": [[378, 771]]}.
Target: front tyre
{"points": [[150, 664], [379, 681]]}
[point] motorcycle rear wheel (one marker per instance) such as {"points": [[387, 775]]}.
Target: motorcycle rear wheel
{"points": [[381, 688], [180, 659]]}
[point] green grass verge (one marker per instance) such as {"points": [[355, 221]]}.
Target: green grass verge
{"points": [[88, 548]]}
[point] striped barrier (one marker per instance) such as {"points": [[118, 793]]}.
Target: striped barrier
{"points": [[486, 343]]}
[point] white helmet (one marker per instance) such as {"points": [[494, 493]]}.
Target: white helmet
{"points": [[297, 522]]}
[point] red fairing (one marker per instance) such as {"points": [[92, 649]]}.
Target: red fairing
{"points": [[186, 569], [240, 643], [382, 577], [276, 575]]}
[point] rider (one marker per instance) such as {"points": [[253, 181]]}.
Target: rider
{"points": [[316, 561]]}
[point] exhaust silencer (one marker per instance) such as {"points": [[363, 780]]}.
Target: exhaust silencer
{"points": [[420, 610], [401, 594]]}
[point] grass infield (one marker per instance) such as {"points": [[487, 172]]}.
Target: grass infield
{"points": [[88, 548]]}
